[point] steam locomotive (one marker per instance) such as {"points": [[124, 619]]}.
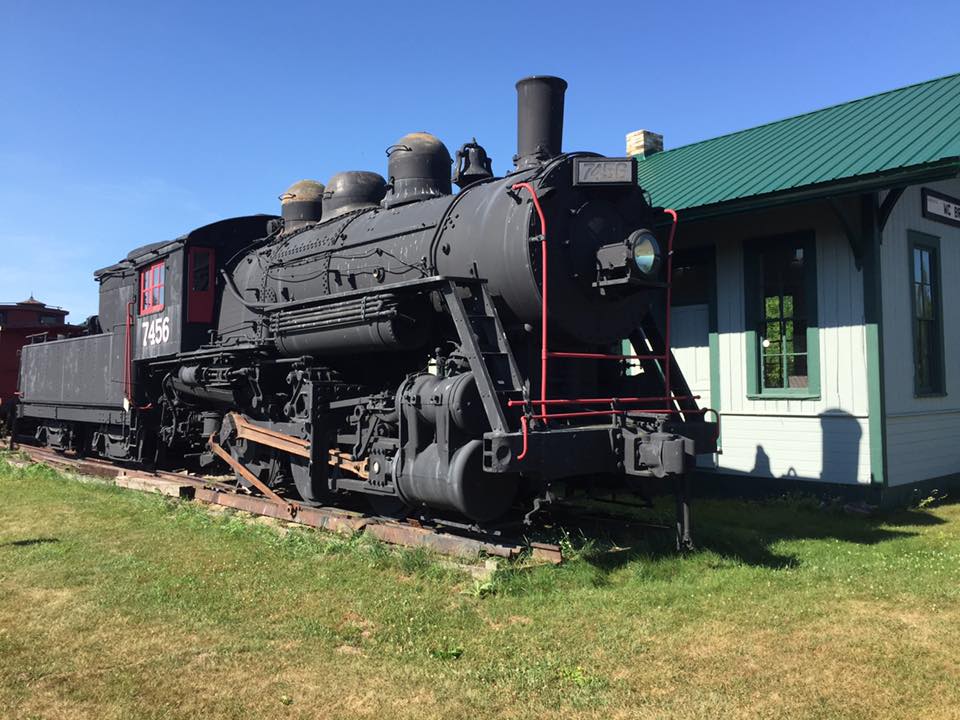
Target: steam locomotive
{"points": [[458, 356]]}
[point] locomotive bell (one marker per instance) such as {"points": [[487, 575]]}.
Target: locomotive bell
{"points": [[418, 167], [472, 164], [301, 204], [352, 190]]}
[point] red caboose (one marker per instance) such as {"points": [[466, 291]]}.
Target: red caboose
{"points": [[22, 323]]}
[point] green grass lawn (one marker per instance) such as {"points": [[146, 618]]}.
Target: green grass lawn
{"points": [[115, 604]]}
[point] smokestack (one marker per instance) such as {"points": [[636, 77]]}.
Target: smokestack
{"points": [[539, 119]]}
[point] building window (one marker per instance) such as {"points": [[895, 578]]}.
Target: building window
{"points": [[151, 289], [49, 320], [925, 301], [3, 318], [781, 317]]}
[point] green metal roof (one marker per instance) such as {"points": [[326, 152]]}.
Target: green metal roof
{"points": [[912, 132]]}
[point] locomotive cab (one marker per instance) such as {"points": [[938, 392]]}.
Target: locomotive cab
{"points": [[175, 301]]}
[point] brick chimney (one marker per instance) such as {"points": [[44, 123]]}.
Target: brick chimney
{"points": [[644, 143]]}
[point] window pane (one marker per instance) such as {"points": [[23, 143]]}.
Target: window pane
{"points": [[201, 270], [788, 339], [772, 331], [772, 307], [797, 371], [927, 333], [800, 336], [783, 322], [772, 372], [794, 273], [790, 306], [921, 357]]}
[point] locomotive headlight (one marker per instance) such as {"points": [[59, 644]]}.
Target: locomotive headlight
{"points": [[645, 251]]}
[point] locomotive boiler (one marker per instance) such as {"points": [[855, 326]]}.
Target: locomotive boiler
{"points": [[457, 356]]}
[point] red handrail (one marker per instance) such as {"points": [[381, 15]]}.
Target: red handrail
{"points": [[128, 356], [523, 428], [604, 356], [599, 401], [545, 353], [589, 413], [666, 333]]}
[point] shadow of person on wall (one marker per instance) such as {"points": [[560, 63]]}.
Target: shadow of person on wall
{"points": [[761, 463], [840, 436]]}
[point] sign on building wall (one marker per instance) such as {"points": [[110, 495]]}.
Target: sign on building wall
{"points": [[940, 207]]}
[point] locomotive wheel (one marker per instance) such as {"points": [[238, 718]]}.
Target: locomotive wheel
{"points": [[313, 490], [267, 467]]}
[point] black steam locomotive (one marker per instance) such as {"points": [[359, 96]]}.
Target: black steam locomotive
{"points": [[455, 355]]}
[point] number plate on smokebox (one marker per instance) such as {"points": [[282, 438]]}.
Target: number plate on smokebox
{"points": [[604, 171]]}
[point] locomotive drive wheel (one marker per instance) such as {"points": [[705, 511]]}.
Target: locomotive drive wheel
{"points": [[312, 490], [268, 467]]}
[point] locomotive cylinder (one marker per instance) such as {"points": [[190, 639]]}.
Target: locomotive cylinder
{"points": [[461, 486], [458, 395]]}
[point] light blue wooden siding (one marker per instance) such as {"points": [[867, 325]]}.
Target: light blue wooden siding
{"points": [[923, 433], [824, 439]]}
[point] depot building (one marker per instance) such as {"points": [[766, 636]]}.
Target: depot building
{"points": [[816, 295]]}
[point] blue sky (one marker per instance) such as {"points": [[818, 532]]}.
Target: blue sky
{"points": [[126, 123]]}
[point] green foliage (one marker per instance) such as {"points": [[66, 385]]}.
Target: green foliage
{"points": [[936, 497], [447, 652]]}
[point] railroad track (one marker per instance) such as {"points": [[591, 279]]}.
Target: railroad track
{"points": [[193, 488]]}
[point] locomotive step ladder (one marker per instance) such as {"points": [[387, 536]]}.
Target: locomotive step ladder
{"points": [[484, 343]]}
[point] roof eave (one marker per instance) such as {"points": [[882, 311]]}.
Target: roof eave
{"points": [[944, 169]]}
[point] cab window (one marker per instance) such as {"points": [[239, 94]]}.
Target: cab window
{"points": [[200, 269], [200, 284], [151, 289]]}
